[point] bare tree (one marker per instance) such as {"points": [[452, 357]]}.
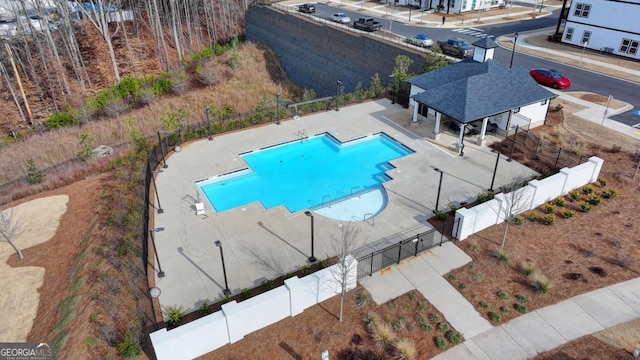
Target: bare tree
{"points": [[515, 199], [10, 229], [345, 273]]}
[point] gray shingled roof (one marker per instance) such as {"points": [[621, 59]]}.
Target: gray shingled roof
{"points": [[486, 43], [468, 90]]}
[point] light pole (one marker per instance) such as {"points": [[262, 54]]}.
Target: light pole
{"points": [[513, 51], [224, 270], [155, 187], [338, 84], [155, 250], [393, 94], [164, 162], [495, 170], [439, 187], [154, 292], [206, 111], [312, 258], [278, 109]]}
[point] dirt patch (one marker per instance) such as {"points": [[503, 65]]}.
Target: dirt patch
{"points": [[38, 221]]}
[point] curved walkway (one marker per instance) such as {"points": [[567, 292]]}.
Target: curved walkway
{"points": [[521, 338]]}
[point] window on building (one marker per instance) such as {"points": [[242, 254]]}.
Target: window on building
{"points": [[569, 34], [452, 3], [629, 46], [464, 4], [582, 10], [586, 36], [473, 4], [494, 2]]}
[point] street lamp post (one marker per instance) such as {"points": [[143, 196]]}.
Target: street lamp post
{"points": [[155, 249], [312, 258], [392, 77], [439, 187], [513, 51], [278, 109], [224, 269], [495, 170], [154, 292], [164, 162], [206, 111], [338, 85], [155, 188]]}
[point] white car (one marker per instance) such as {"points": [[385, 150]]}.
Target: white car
{"points": [[341, 18], [420, 40]]}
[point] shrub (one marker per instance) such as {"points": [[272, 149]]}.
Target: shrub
{"points": [[594, 199], [549, 219], [478, 277], [130, 346], [362, 300], [419, 318], [371, 319], [426, 327], [453, 207], [527, 268], [485, 196], [441, 343], [174, 314], [602, 182], [520, 308], [503, 295], [503, 257], [495, 317], [397, 324], [587, 189], [204, 309], [422, 305], [245, 293], [541, 283], [442, 327], [522, 298], [609, 194], [574, 195], [548, 208], [584, 207], [532, 216], [412, 295], [475, 245], [34, 175], [483, 305], [440, 215], [462, 286], [452, 277], [383, 336], [518, 220], [60, 119], [504, 310], [266, 284], [405, 350], [454, 336], [434, 318], [559, 201], [568, 213], [86, 142], [409, 326]]}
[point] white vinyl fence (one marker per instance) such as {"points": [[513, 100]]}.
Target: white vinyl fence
{"points": [[536, 193], [236, 320]]}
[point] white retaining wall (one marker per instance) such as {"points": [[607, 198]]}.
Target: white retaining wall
{"points": [[536, 193], [236, 320]]}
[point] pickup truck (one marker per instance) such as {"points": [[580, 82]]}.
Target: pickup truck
{"points": [[456, 47], [367, 24], [307, 8]]}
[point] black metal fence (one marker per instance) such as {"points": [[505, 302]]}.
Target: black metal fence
{"points": [[528, 144], [407, 248]]}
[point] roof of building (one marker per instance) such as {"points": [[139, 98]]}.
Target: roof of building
{"points": [[486, 43], [469, 90]]}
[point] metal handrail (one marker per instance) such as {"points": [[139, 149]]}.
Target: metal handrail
{"points": [[373, 218]]}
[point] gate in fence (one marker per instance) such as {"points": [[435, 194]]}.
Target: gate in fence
{"points": [[406, 248]]}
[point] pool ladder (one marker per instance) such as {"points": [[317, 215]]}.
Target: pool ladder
{"points": [[357, 188], [328, 197], [371, 216]]}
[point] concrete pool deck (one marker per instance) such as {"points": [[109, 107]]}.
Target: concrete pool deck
{"points": [[262, 244]]}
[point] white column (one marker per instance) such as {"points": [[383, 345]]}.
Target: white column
{"points": [[415, 112], [483, 130], [436, 129], [460, 140]]}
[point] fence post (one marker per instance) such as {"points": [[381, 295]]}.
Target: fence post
{"points": [[513, 146], [558, 157], [417, 241], [371, 262], [536, 150], [399, 252]]}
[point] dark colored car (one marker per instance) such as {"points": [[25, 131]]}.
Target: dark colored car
{"points": [[456, 47], [550, 77], [307, 8]]}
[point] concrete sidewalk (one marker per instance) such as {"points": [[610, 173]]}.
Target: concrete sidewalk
{"points": [[553, 326]]}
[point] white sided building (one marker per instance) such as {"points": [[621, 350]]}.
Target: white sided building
{"points": [[451, 6], [606, 25]]}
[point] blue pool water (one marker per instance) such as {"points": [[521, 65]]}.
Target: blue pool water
{"points": [[304, 174]]}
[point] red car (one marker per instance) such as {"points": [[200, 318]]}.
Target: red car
{"points": [[550, 77]]}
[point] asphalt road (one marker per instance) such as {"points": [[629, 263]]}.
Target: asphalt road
{"points": [[581, 79]]}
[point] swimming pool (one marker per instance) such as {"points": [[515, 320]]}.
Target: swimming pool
{"points": [[306, 173]]}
